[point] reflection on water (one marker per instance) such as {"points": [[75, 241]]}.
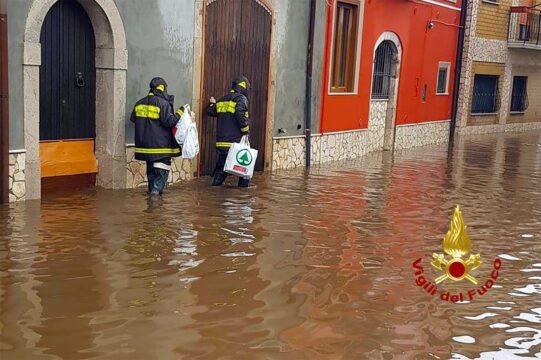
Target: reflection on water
{"points": [[314, 266]]}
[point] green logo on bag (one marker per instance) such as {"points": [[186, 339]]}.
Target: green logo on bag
{"points": [[244, 157]]}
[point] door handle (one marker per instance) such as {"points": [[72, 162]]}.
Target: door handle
{"points": [[79, 80]]}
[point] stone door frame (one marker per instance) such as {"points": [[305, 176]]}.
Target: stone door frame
{"points": [[111, 66]]}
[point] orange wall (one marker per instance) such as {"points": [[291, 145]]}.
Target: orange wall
{"points": [[422, 49]]}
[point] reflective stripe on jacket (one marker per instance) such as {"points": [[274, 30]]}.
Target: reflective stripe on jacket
{"points": [[153, 117], [233, 118]]}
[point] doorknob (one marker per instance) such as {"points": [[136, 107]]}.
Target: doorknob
{"points": [[79, 80]]}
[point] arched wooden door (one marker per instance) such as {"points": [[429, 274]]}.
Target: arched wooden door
{"points": [[237, 42], [67, 93]]}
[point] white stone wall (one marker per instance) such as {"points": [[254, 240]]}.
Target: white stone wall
{"points": [[409, 136], [181, 169], [288, 153], [376, 125], [343, 145], [17, 186], [487, 129]]}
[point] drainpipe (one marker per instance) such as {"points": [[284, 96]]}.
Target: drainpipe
{"points": [[458, 69], [308, 95], [4, 121]]}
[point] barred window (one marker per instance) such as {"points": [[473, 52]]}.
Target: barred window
{"points": [[384, 62], [519, 96], [485, 99]]}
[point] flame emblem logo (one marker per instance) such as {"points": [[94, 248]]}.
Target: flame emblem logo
{"points": [[456, 244]]}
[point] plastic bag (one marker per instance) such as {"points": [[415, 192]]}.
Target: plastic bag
{"points": [[190, 149], [181, 128], [241, 159]]}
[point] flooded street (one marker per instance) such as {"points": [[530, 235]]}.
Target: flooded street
{"points": [[304, 266]]}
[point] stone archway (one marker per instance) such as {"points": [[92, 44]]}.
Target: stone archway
{"points": [[111, 65], [381, 123]]}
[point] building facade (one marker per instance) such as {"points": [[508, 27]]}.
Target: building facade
{"points": [[71, 71], [501, 73], [387, 80], [76, 67]]}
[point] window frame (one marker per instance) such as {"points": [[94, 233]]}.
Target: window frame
{"points": [[352, 68], [447, 66]]}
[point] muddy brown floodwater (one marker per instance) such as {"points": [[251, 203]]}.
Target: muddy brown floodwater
{"points": [[305, 266]]}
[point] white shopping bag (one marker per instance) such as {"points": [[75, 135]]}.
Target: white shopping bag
{"points": [[190, 149], [181, 128], [241, 159]]}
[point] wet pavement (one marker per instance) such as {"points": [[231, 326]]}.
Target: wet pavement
{"points": [[304, 266]]}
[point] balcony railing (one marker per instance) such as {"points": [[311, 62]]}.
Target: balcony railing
{"points": [[524, 27]]}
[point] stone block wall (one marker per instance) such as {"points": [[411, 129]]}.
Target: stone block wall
{"points": [[343, 145], [479, 130], [17, 186], [376, 124], [289, 153], [409, 136], [181, 169]]}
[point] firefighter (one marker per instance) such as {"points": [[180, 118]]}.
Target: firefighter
{"points": [[232, 113], [154, 118]]}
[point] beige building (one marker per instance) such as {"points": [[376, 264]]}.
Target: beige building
{"points": [[501, 73]]}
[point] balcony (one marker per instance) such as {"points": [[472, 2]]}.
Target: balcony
{"points": [[524, 28]]}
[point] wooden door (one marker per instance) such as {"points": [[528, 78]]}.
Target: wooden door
{"points": [[67, 74], [237, 42], [4, 136]]}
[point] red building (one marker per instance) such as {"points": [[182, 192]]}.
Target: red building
{"points": [[390, 64]]}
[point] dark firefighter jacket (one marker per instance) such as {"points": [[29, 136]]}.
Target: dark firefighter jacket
{"points": [[232, 113], [153, 117]]}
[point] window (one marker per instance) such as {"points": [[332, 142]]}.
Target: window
{"points": [[524, 32], [442, 87], [485, 94], [519, 97], [384, 66], [345, 47]]}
